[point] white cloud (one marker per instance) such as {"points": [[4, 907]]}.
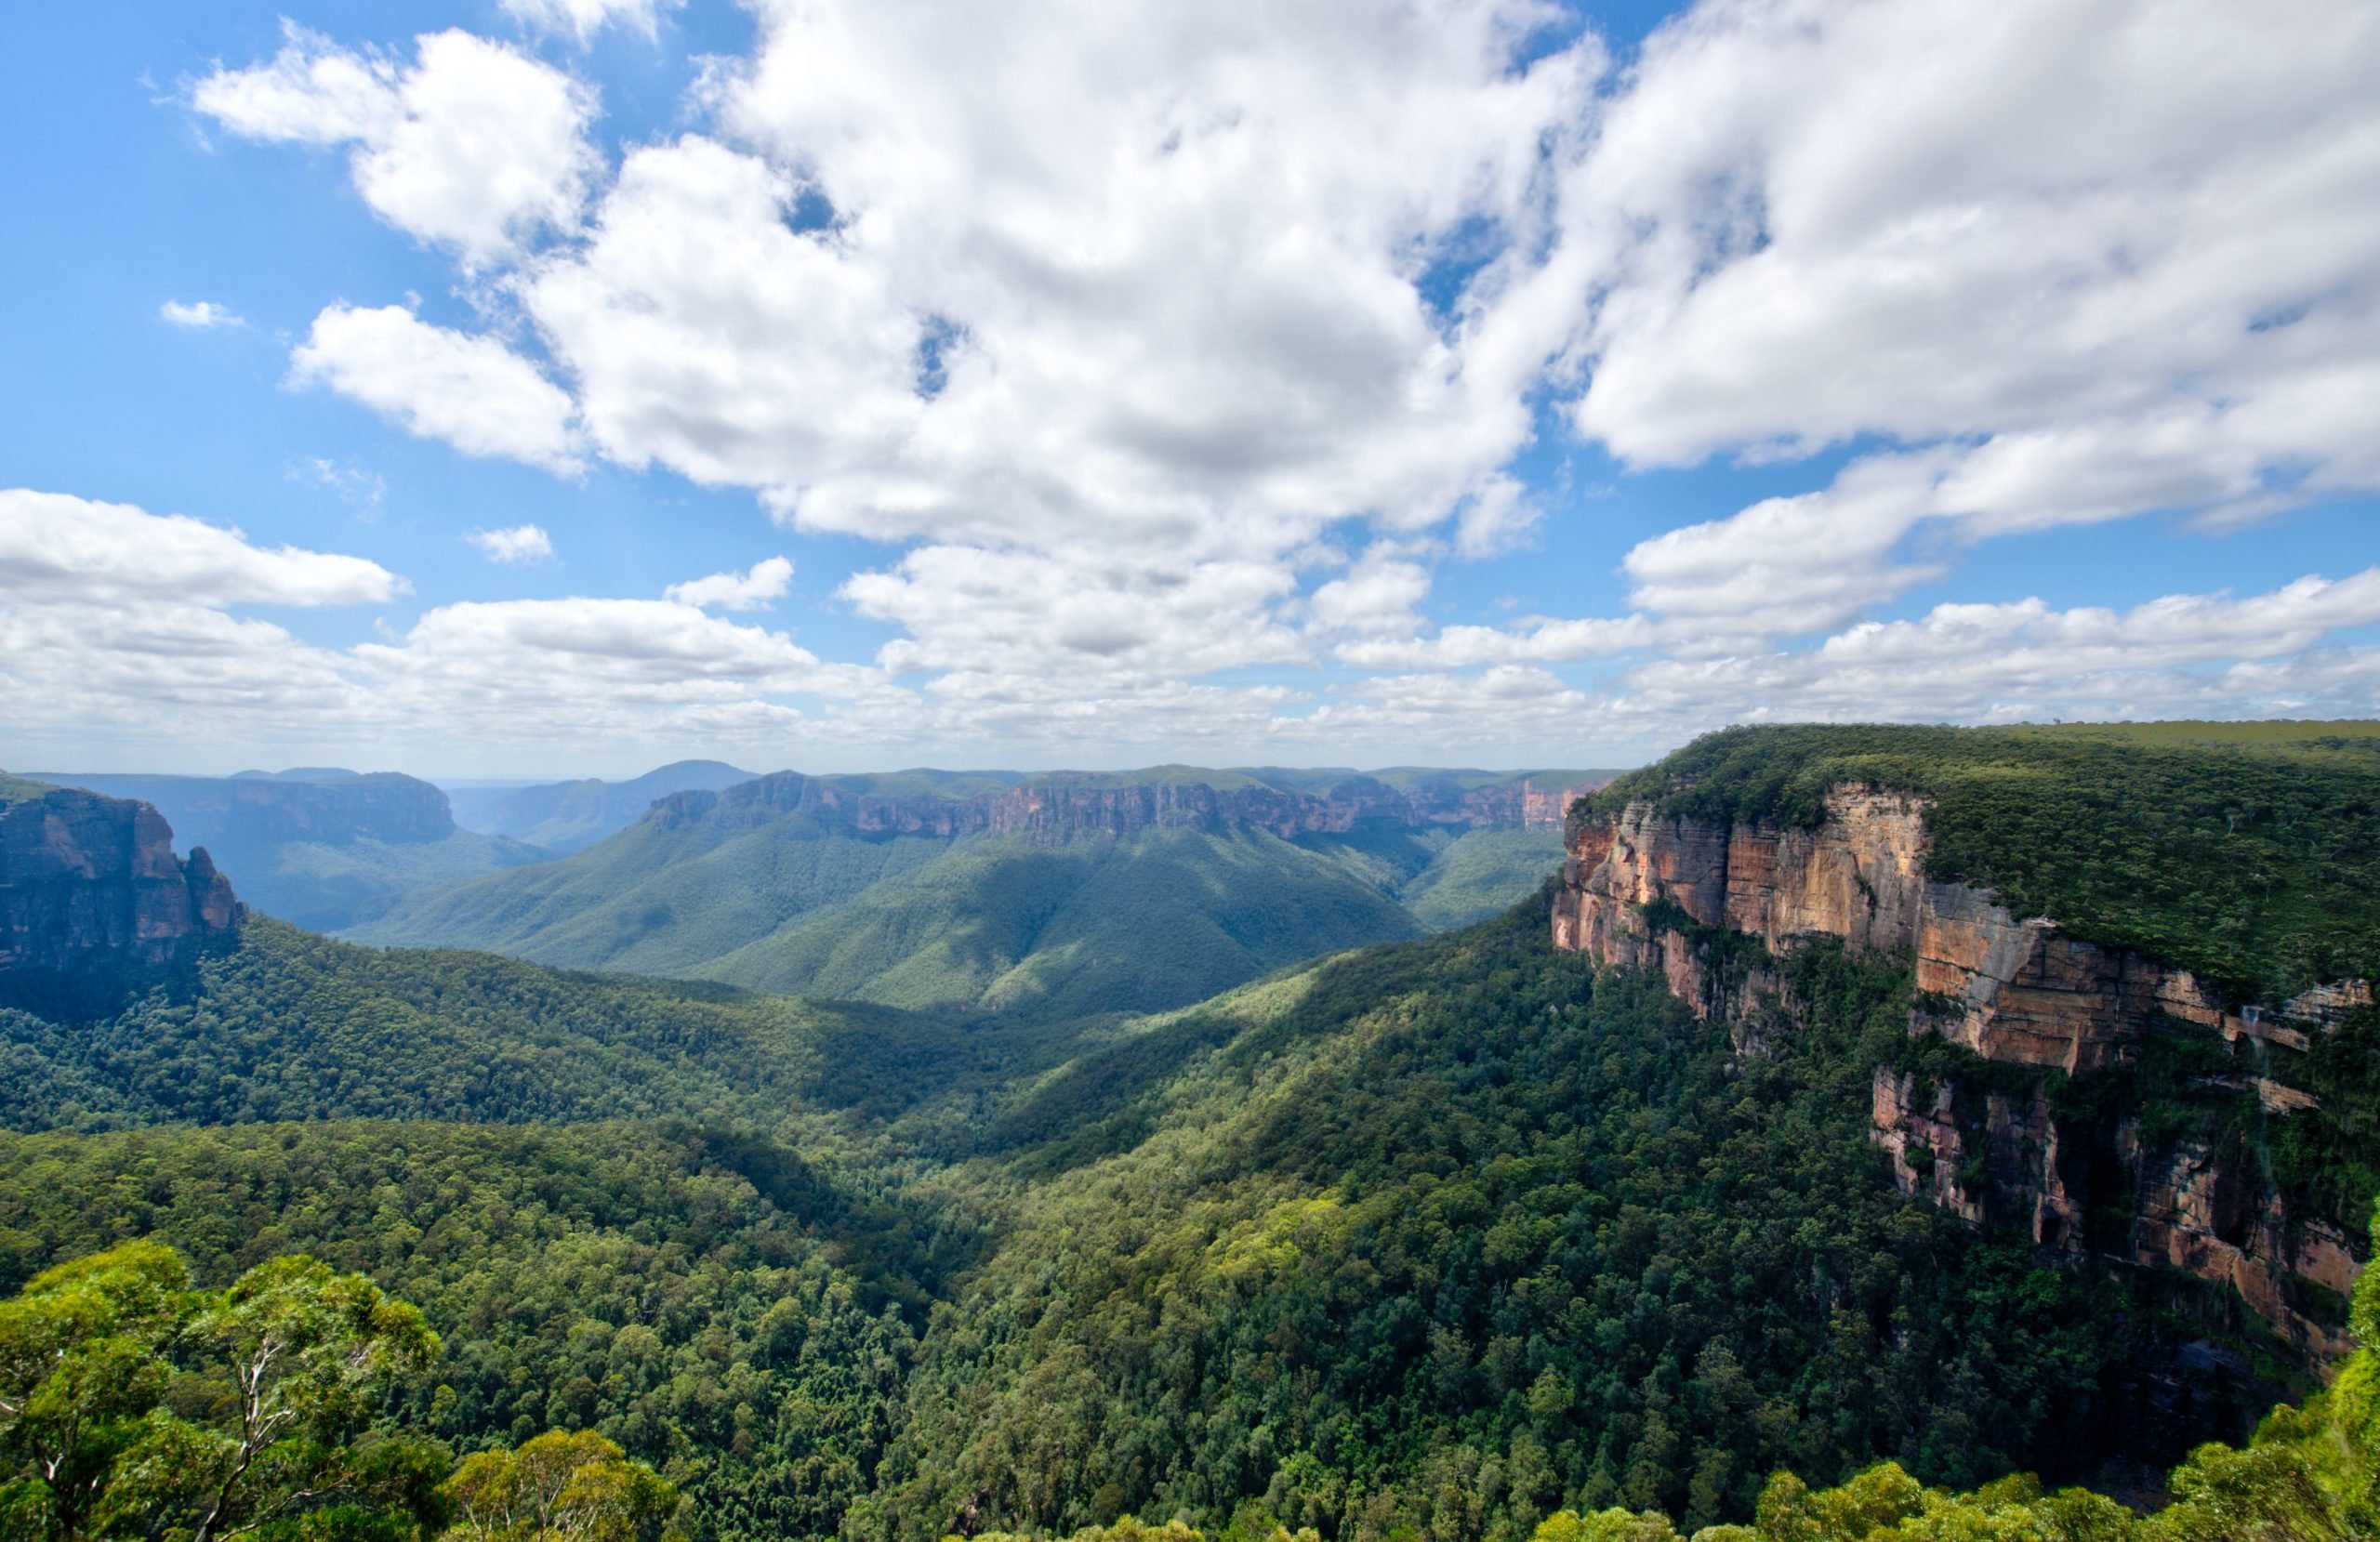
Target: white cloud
{"points": [[1791, 565], [1541, 641], [2123, 247], [1119, 324], [1378, 594], [514, 543], [584, 18], [1012, 622], [753, 590], [199, 314], [477, 146], [469, 391], [56, 548], [2179, 656]]}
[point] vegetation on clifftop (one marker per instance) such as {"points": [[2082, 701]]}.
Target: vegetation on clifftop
{"points": [[2247, 853]]}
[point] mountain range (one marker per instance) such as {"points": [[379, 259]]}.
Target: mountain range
{"points": [[320, 847], [1064, 895]]}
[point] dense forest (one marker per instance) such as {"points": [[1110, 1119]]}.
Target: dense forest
{"points": [[1453, 1217], [1445, 1240]]}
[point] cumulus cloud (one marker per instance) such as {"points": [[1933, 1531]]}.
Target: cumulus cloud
{"points": [[2179, 656], [1088, 620], [754, 590], [1119, 325], [116, 626], [469, 391], [1380, 593], [58, 549], [475, 146], [199, 314], [2119, 247], [514, 543], [1542, 641]]}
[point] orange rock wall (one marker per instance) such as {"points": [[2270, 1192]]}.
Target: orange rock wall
{"points": [[2010, 989]]}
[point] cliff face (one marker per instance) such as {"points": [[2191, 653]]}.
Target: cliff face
{"points": [[1058, 810], [2015, 991], [93, 900]]}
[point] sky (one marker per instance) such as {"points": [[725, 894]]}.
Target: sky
{"points": [[529, 388]]}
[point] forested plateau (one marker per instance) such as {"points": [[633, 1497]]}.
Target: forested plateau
{"points": [[1465, 1237]]}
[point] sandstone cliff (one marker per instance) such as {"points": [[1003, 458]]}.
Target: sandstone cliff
{"points": [[1055, 810], [94, 902], [1643, 890]]}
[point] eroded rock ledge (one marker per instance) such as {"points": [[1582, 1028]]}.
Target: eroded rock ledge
{"points": [[1649, 892]]}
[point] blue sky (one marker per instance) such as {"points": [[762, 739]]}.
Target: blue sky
{"points": [[1356, 391]]}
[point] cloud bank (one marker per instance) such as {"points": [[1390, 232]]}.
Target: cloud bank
{"points": [[1172, 357]]}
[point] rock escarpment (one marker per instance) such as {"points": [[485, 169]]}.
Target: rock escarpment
{"points": [[1646, 890], [93, 900], [1056, 810]]}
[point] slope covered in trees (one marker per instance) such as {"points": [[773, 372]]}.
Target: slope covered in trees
{"points": [[925, 899], [1453, 1239], [1450, 1216]]}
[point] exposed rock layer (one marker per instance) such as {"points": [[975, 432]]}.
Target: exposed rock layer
{"points": [[2012, 990], [1053, 812], [93, 900]]}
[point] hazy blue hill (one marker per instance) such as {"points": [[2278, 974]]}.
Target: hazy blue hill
{"points": [[1153, 920], [569, 816], [923, 780], [320, 847], [297, 774]]}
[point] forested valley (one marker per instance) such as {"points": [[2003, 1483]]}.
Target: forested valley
{"points": [[1446, 1240]]}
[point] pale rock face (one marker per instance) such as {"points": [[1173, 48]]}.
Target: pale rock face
{"points": [[2014, 990]]}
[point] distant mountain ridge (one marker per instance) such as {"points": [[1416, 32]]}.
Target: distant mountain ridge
{"points": [[1059, 808], [318, 847], [1079, 892], [563, 817]]}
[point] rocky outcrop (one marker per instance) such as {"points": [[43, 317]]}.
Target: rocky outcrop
{"points": [[1646, 890], [1059, 810], [93, 900]]}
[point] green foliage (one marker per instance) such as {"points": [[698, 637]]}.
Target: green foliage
{"points": [[1479, 875], [2251, 858], [132, 1406], [783, 901], [620, 1278], [1153, 920], [291, 1026], [1460, 1219], [558, 1487]]}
